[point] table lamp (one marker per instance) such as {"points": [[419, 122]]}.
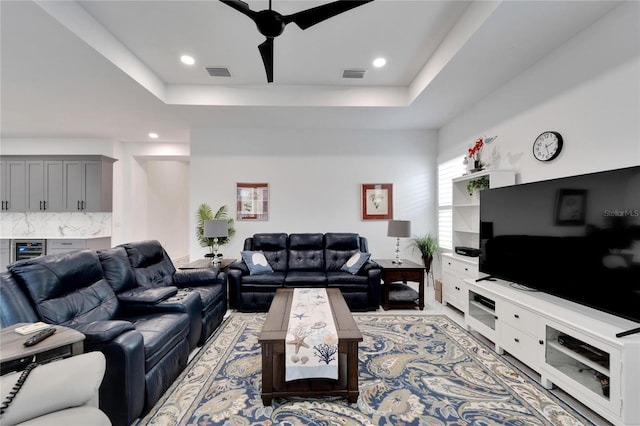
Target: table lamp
{"points": [[399, 229], [215, 229]]}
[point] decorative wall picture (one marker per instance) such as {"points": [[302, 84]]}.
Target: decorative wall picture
{"points": [[570, 207], [252, 201], [377, 201]]}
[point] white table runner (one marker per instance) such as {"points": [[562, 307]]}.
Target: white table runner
{"points": [[311, 348]]}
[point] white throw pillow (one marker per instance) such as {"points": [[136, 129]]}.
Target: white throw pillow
{"points": [[355, 262], [257, 262]]}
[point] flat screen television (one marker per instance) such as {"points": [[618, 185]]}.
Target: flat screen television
{"points": [[576, 237]]}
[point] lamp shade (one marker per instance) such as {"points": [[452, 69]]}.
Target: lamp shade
{"points": [[215, 229], [399, 228]]}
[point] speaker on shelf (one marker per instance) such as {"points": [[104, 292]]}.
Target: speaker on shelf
{"points": [[467, 251]]}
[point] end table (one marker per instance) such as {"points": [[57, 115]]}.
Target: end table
{"points": [[400, 295], [206, 263], [223, 266], [64, 343]]}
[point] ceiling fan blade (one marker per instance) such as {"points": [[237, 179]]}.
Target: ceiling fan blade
{"points": [[271, 23], [241, 7], [266, 51], [310, 17]]}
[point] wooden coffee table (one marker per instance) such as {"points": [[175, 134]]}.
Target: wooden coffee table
{"points": [[272, 339]]}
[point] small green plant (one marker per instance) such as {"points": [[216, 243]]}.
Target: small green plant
{"points": [[205, 213], [428, 246], [477, 184]]}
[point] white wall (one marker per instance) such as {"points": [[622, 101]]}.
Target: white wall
{"points": [[315, 178], [588, 90], [168, 205], [136, 186], [56, 146]]}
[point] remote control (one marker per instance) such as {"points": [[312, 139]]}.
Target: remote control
{"points": [[39, 337]]}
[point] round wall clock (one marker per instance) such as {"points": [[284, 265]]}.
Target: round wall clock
{"points": [[547, 146]]}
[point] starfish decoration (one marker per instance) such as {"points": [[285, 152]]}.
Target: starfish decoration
{"points": [[300, 316], [298, 341]]}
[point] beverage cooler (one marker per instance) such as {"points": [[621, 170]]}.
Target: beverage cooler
{"points": [[27, 249]]}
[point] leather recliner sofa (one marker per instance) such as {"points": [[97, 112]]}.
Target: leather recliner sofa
{"points": [[145, 333], [305, 260], [153, 268]]}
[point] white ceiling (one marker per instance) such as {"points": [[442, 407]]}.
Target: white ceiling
{"points": [[111, 69]]}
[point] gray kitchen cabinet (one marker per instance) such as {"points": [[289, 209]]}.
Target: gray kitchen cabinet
{"points": [[73, 187], [65, 245], [88, 185], [5, 254], [13, 185], [56, 183], [44, 185]]}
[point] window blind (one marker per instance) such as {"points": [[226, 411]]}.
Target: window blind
{"points": [[446, 172]]}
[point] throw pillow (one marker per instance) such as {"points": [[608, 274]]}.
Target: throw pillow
{"points": [[356, 261], [257, 262]]}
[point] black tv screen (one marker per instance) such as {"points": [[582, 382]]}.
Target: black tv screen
{"points": [[577, 238]]}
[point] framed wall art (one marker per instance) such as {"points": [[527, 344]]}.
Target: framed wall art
{"points": [[570, 207], [377, 201], [252, 201]]}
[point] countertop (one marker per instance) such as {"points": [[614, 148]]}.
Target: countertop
{"points": [[52, 237]]}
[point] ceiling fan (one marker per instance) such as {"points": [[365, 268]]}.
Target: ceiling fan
{"points": [[271, 24]]}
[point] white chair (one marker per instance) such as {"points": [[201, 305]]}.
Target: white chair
{"points": [[63, 392]]}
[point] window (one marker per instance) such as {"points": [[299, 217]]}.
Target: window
{"points": [[447, 171]]}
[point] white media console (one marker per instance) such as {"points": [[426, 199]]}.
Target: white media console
{"points": [[568, 344]]}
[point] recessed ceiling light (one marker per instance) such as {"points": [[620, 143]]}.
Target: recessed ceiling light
{"points": [[188, 60], [153, 135], [379, 62]]}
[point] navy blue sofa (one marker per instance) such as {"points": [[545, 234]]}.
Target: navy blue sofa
{"points": [[305, 260], [131, 304]]}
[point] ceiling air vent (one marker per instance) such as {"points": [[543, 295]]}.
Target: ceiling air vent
{"points": [[353, 73], [218, 71]]}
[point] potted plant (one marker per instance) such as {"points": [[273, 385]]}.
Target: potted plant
{"points": [[205, 213], [477, 184], [428, 247]]}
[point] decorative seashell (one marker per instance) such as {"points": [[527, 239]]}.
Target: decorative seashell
{"points": [[304, 359], [295, 358], [330, 339]]}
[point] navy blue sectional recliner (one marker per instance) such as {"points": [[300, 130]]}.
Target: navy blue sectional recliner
{"points": [[304, 260], [131, 304]]}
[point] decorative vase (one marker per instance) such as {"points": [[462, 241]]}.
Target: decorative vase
{"points": [[477, 165], [427, 259]]}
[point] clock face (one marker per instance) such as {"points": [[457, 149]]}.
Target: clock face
{"points": [[547, 146]]}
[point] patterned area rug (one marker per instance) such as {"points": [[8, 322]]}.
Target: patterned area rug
{"points": [[413, 370]]}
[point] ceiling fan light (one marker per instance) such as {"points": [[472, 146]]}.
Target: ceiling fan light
{"points": [[153, 135], [379, 62], [187, 60]]}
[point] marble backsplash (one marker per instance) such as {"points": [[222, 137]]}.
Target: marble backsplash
{"points": [[55, 225]]}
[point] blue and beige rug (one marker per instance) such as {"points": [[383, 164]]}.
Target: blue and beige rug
{"points": [[414, 370]]}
